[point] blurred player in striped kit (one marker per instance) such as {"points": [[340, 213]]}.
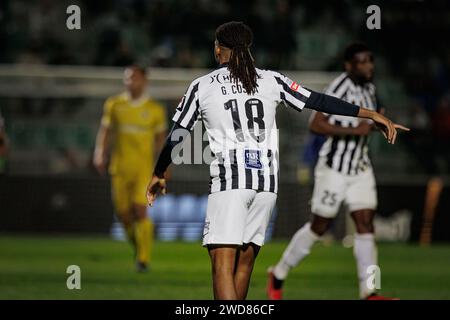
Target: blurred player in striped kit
{"points": [[343, 173], [135, 126]]}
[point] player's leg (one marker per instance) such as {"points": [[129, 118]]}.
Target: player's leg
{"points": [[143, 226], [363, 219], [223, 234], [299, 247], [122, 205], [364, 249], [143, 230], [362, 202], [257, 221], [328, 193], [223, 259], [245, 260]]}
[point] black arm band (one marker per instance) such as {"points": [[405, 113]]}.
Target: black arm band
{"points": [[165, 157], [328, 104]]}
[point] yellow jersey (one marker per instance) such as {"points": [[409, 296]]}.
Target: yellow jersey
{"points": [[134, 124]]}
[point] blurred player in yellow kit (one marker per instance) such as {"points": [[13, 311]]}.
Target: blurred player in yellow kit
{"points": [[135, 126]]}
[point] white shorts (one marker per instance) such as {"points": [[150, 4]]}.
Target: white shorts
{"points": [[331, 188], [238, 216]]}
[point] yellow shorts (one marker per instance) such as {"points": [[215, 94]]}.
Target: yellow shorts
{"points": [[128, 190]]}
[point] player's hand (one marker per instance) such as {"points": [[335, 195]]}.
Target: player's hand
{"points": [[156, 186], [364, 128], [387, 127]]}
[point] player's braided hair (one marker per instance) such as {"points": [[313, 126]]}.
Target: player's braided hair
{"points": [[239, 37]]}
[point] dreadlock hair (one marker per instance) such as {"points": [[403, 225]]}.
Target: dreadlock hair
{"points": [[238, 37]]}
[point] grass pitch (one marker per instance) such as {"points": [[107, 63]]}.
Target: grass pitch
{"points": [[35, 268]]}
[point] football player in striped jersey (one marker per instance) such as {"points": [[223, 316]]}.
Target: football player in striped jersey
{"points": [[343, 173], [237, 103]]}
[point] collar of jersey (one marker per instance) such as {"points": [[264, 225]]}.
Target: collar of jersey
{"points": [[137, 102], [223, 65]]}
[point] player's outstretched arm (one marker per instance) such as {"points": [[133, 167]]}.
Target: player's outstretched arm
{"points": [[331, 105]]}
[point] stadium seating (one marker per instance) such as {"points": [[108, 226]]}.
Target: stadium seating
{"points": [[180, 217], [165, 215]]}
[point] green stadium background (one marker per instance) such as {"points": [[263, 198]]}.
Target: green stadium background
{"points": [[53, 82]]}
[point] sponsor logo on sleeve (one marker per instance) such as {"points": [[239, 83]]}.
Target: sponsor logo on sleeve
{"points": [[295, 86]]}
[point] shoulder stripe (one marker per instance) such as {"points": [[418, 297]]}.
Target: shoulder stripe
{"points": [[293, 93], [338, 85], [188, 102], [194, 115], [288, 103]]}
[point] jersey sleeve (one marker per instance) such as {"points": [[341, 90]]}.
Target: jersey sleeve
{"points": [[291, 93], [107, 117], [160, 119], [329, 91], [188, 110], [337, 88]]}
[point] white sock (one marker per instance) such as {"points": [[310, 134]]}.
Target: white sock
{"points": [[365, 252], [298, 248]]}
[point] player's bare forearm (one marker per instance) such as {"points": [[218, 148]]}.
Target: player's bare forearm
{"points": [[99, 140], [366, 113], [320, 125], [388, 128], [101, 148]]}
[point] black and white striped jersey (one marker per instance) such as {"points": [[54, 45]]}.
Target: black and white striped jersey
{"points": [[348, 154], [241, 128]]}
